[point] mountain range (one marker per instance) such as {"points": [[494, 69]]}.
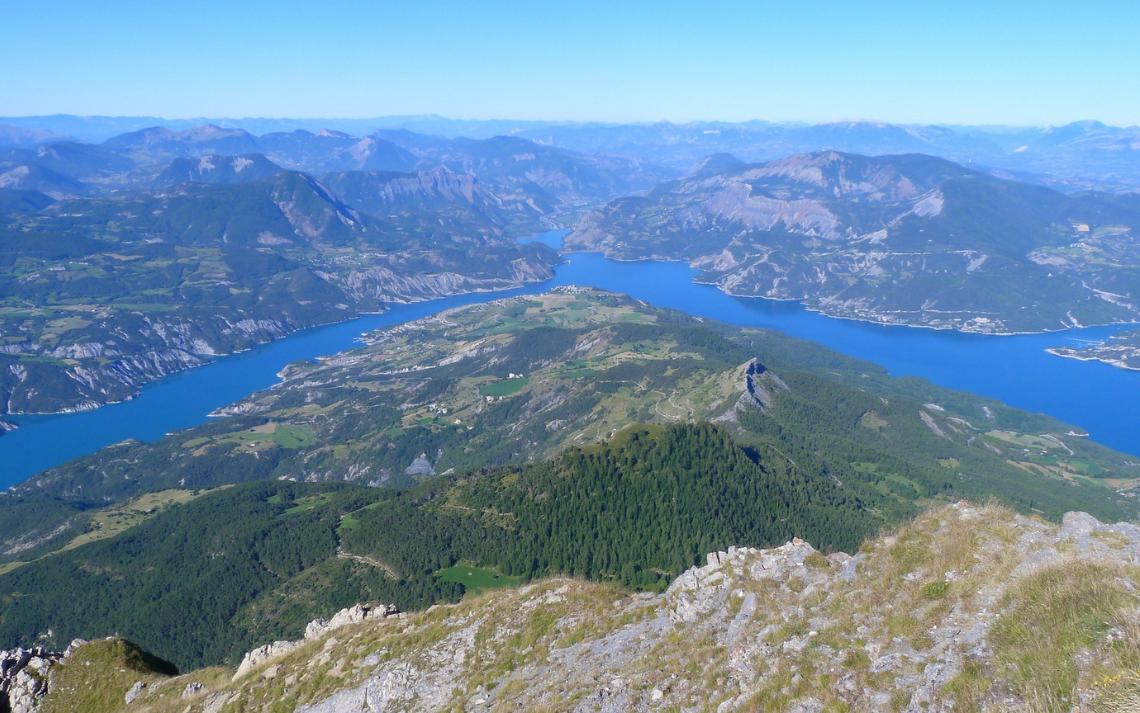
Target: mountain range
{"points": [[141, 159], [1077, 156], [570, 500], [906, 239]]}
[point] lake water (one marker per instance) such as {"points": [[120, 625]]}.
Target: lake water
{"points": [[1102, 399]]}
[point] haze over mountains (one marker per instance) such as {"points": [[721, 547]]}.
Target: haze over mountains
{"points": [[570, 432], [1082, 154]]}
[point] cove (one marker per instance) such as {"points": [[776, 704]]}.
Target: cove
{"points": [[1014, 369]]}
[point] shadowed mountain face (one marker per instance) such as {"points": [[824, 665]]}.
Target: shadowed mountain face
{"points": [[34, 177], [17, 201], [896, 239]]}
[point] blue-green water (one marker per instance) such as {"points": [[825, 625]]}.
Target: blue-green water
{"points": [[1094, 396]]}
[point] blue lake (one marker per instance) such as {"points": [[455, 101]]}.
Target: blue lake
{"points": [[1102, 399]]}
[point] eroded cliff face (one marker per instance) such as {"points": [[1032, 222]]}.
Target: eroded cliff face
{"points": [[967, 608]]}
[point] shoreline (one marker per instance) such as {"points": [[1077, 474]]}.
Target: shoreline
{"points": [[1078, 357], [213, 358], [852, 318]]}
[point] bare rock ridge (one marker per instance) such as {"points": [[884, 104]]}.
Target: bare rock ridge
{"points": [[316, 629], [759, 388], [24, 676], [786, 628], [967, 608]]}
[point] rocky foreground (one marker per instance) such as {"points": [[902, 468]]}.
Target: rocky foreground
{"points": [[967, 608]]}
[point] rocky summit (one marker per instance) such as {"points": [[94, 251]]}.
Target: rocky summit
{"points": [[967, 608]]}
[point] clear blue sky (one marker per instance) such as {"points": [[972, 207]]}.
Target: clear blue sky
{"points": [[952, 62]]}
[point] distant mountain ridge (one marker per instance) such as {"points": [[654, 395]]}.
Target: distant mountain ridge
{"points": [[448, 195], [544, 178], [218, 169]]}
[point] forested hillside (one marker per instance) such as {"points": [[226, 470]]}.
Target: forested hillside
{"points": [[202, 582]]}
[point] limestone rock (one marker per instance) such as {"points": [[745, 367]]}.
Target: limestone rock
{"points": [[263, 654], [351, 615], [314, 630], [134, 692], [24, 678]]}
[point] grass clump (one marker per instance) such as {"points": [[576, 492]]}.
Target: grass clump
{"points": [[936, 590], [1051, 617], [816, 560]]}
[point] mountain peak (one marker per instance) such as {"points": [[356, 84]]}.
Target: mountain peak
{"points": [[716, 163]]}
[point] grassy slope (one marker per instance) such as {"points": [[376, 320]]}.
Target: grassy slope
{"points": [[1060, 630]]}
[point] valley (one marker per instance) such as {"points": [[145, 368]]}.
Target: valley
{"points": [[399, 411], [494, 429], [569, 358], [1015, 370]]}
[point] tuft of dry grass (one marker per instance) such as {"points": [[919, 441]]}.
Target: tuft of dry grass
{"points": [[1053, 616]]}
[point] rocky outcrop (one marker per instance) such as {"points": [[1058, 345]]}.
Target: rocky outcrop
{"points": [[421, 466], [759, 388], [25, 677], [315, 629], [352, 615], [907, 624]]}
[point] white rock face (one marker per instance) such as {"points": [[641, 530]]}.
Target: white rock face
{"points": [[262, 655], [24, 678], [314, 630], [352, 615]]}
